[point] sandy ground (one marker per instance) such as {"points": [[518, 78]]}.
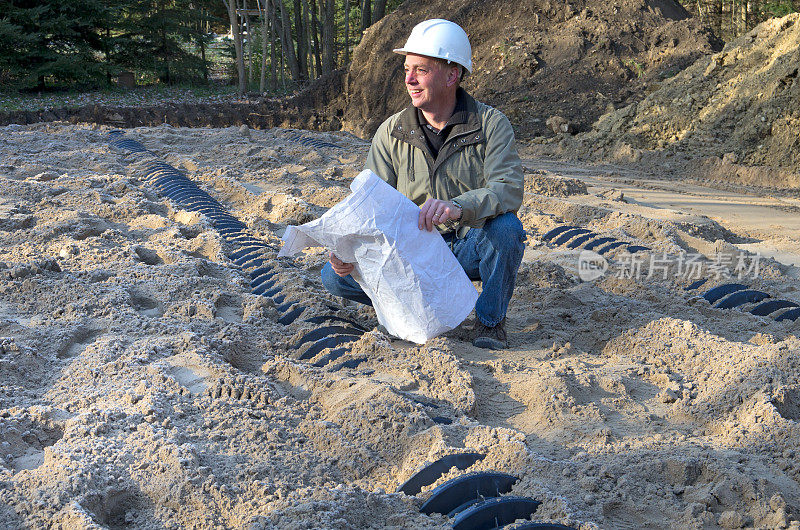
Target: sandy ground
{"points": [[773, 221], [143, 386]]}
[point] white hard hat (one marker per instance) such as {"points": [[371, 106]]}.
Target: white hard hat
{"points": [[441, 39]]}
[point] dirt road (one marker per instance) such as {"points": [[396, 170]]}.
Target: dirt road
{"points": [[772, 222]]}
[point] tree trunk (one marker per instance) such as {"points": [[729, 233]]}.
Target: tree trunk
{"points": [[728, 12], [282, 70], [717, 21], [249, 30], [328, 38], [203, 57], [162, 33], [107, 48], [307, 32], [300, 32], [262, 74], [237, 43], [346, 32], [379, 11], [200, 40], [698, 4], [286, 42], [273, 59], [748, 15], [366, 14], [315, 32]]}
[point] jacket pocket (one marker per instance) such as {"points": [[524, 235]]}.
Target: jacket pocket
{"points": [[405, 173], [466, 170]]}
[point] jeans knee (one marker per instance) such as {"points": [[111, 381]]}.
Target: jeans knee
{"points": [[506, 233], [331, 280]]}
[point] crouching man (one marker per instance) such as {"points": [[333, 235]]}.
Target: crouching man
{"points": [[454, 157]]}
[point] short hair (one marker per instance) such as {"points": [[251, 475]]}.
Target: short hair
{"points": [[462, 72]]}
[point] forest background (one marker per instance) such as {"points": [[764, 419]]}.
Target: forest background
{"points": [[269, 46]]}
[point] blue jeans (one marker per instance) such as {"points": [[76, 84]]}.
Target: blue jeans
{"points": [[491, 254]]}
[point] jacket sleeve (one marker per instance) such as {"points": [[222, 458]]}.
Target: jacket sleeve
{"points": [[379, 158], [502, 171]]}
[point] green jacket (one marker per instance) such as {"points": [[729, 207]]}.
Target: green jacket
{"points": [[478, 166]]}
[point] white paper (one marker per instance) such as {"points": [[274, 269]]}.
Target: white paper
{"points": [[416, 285]]}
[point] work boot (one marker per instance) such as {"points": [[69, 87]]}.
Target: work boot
{"points": [[490, 338]]}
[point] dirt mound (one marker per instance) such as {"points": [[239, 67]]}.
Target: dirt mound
{"points": [[305, 111], [308, 109], [534, 59], [739, 105]]}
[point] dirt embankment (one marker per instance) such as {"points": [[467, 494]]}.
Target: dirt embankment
{"points": [[306, 110], [534, 59], [735, 108]]}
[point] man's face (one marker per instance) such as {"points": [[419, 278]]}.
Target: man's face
{"points": [[427, 81]]}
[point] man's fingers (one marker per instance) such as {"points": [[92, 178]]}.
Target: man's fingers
{"points": [[440, 217], [340, 267], [344, 271], [425, 216], [435, 212], [429, 219], [423, 213]]}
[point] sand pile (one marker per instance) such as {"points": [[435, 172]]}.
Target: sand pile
{"points": [[738, 107], [143, 385], [534, 59]]}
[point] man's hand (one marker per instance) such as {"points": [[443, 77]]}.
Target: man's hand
{"points": [[437, 212], [340, 267]]}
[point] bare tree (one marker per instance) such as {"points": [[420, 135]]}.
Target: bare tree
{"points": [[307, 39], [379, 10], [346, 31], [236, 33], [366, 14], [262, 78], [329, 37], [300, 32], [248, 30], [315, 33], [287, 44]]}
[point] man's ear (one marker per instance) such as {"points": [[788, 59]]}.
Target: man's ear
{"points": [[452, 76]]}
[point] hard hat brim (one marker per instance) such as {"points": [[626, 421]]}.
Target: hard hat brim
{"points": [[404, 51]]}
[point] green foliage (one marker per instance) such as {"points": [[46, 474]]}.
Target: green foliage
{"points": [[155, 37], [55, 41], [635, 67], [12, 39], [731, 18], [84, 44], [777, 9]]}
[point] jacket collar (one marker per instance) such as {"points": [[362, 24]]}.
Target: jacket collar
{"points": [[460, 113], [465, 120]]}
